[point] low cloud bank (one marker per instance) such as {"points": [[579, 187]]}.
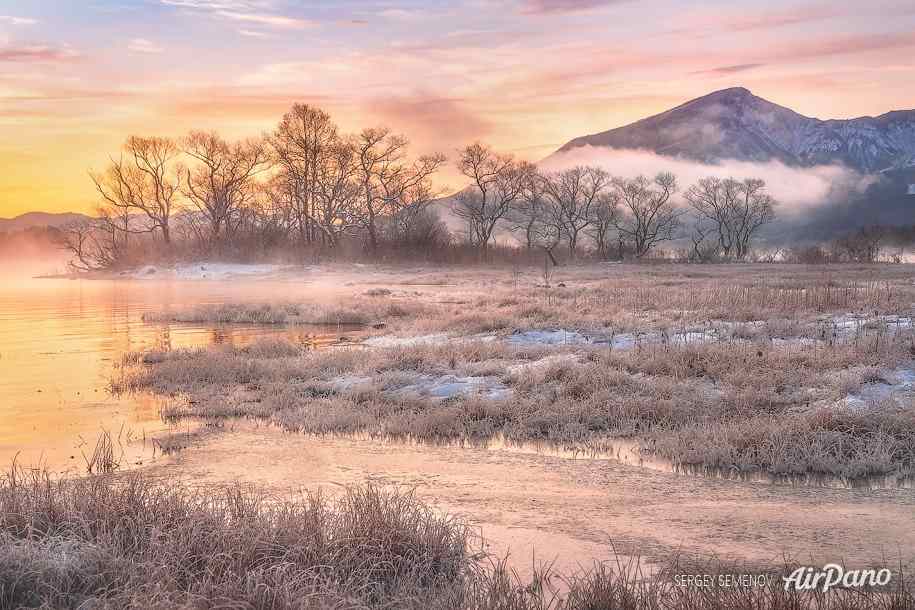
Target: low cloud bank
{"points": [[816, 203], [799, 190]]}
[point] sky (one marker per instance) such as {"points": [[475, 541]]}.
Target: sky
{"points": [[76, 78]]}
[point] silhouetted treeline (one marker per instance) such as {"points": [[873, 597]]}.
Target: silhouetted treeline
{"points": [[306, 190], [866, 245]]}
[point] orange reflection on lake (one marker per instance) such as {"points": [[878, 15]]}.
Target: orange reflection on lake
{"points": [[60, 340]]}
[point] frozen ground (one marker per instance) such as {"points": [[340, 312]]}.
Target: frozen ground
{"points": [[392, 341], [896, 386], [843, 327], [206, 271], [432, 387]]}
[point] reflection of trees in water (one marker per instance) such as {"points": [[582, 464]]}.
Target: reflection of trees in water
{"points": [[166, 337], [879, 481], [220, 336]]}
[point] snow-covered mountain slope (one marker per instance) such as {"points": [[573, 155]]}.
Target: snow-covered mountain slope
{"points": [[735, 124]]}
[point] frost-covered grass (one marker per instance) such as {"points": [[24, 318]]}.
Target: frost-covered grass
{"points": [[357, 312], [132, 543], [735, 405], [741, 368]]}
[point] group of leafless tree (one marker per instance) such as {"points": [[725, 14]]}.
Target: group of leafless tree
{"points": [[305, 184], [618, 216], [864, 245], [308, 187]]}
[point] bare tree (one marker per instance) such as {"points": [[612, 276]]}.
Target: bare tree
{"points": [[648, 215], [702, 249], [573, 193], [144, 180], [418, 228], [604, 214], [303, 142], [735, 209], [754, 209], [336, 205], [861, 246], [530, 217], [388, 182], [222, 180], [413, 215], [91, 243], [496, 183]]}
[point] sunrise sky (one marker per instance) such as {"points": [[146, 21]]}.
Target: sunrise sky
{"points": [[524, 75]]}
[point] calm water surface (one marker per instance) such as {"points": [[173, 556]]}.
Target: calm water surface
{"points": [[59, 341]]}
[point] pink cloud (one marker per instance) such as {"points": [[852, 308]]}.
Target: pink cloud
{"points": [[728, 70], [846, 44], [543, 7], [742, 21], [36, 53]]}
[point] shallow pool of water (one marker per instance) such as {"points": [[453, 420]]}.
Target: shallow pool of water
{"points": [[59, 340]]}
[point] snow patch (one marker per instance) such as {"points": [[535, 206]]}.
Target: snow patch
{"points": [[535, 365], [899, 385], [449, 386], [620, 341], [204, 271], [392, 341], [550, 337], [433, 387], [348, 384]]}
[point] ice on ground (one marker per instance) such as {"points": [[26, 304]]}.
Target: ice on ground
{"points": [[694, 336], [204, 271], [620, 341], [534, 365], [550, 337], [434, 387], [899, 384], [347, 384], [844, 326], [848, 324], [449, 386], [392, 341]]}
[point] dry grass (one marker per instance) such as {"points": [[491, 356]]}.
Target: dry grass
{"points": [[105, 457], [758, 383], [617, 297], [740, 406], [356, 312], [132, 543], [129, 542]]}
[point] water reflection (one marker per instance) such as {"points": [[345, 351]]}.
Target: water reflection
{"points": [[59, 340], [629, 451]]}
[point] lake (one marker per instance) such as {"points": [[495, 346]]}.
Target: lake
{"points": [[61, 339]]}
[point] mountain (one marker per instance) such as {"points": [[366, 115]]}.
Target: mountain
{"points": [[39, 219], [735, 124]]}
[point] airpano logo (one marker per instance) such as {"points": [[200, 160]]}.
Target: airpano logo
{"points": [[833, 575], [912, 189]]}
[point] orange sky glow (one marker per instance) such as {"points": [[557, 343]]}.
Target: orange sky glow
{"points": [[523, 75]]}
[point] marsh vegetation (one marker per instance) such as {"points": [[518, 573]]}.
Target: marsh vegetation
{"points": [[133, 542], [470, 387], [790, 376]]}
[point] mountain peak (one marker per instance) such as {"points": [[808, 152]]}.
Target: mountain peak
{"points": [[730, 93], [735, 124]]}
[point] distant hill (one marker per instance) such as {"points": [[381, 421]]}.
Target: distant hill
{"points": [[735, 124], [39, 219]]}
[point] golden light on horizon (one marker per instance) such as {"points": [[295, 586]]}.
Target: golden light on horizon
{"points": [[525, 77]]}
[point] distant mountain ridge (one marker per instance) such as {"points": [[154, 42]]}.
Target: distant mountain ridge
{"points": [[735, 124], [39, 219]]}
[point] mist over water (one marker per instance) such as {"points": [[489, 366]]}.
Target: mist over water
{"points": [[61, 339], [22, 257]]}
